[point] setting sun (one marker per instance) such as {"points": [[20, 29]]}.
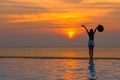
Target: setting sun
{"points": [[71, 34]]}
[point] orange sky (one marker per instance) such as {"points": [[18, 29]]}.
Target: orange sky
{"points": [[62, 17]]}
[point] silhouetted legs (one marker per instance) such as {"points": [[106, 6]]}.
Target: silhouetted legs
{"points": [[91, 49]]}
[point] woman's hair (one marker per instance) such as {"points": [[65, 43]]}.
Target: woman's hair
{"points": [[91, 30]]}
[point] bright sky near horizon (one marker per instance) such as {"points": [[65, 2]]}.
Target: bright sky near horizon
{"points": [[58, 22]]}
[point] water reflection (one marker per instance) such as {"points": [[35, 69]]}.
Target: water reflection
{"points": [[69, 67], [91, 69]]}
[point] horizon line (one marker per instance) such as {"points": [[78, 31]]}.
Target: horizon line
{"points": [[73, 58]]}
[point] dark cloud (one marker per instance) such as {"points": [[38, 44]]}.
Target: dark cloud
{"points": [[12, 7], [113, 16], [106, 5], [14, 2], [72, 1]]}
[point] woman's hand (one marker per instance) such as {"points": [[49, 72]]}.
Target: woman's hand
{"points": [[82, 25]]}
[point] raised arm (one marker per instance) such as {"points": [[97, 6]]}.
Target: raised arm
{"points": [[85, 28], [95, 29]]}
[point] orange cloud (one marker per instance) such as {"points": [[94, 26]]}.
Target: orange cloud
{"points": [[54, 16], [66, 15]]}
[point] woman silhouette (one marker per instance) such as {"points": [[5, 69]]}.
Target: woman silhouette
{"points": [[91, 34]]}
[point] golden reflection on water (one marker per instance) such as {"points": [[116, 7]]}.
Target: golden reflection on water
{"points": [[70, 54], [68, 75], [54, 69], [71, 67]]}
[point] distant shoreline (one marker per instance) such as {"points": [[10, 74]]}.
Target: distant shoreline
{"points": [[75, 58], [58, 46]]}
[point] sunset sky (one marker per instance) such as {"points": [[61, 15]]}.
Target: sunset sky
{"points": [[58, 22]]}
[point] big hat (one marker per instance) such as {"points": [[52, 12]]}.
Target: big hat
{"points": [[100, 28]]}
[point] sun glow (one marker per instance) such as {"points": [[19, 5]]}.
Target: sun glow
{"points": [[71, 34]]}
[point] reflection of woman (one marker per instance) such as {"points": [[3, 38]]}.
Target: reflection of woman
{"points": [[91, 69], [91, 34]]}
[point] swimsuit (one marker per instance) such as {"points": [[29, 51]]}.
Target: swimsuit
{"points": [[91, 42]]}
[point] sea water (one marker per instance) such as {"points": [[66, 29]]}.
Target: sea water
{"points": [[77, 52], [59, 69]]}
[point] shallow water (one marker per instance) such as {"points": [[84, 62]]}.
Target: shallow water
{"points": [[58, 69], [78, 52], [67, 63]]}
